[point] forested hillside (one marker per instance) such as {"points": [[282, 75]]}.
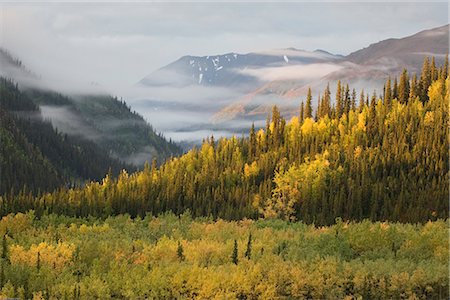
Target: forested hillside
{"points": [[34, 157], [49, 140], [380, 156], [108, 122]]}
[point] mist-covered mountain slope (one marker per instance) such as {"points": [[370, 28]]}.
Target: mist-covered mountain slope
{"points": [[35, 156], [107, 121], [100, 119]]}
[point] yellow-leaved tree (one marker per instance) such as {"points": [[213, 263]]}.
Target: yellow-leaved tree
{"points": [[299, 183]]}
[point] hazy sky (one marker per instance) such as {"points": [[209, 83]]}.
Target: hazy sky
{"points": [[116, 44]]}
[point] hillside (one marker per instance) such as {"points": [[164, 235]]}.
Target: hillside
{"points": [[405, 52], [35, 157], [359, 158], [50, 140], [105, 120]]}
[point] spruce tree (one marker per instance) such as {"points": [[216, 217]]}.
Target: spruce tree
{"points": [[252, 143], [425, 80], [339, 104], [395, 89], [353, 102], [4, 248], [180, 252], [302, 112], [248, 251], [308, 108], [326, 102], [361, 101], [403, 87], [234, 256], [413, 92], [445, 68], [347, 99], [388, 93]]}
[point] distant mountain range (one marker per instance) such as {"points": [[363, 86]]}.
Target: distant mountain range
{"points": [[283, 76], [231, 69]]}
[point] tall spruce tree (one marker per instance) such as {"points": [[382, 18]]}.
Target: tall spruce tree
{"points": [[308, 108], [248, 251], [234, 255]]}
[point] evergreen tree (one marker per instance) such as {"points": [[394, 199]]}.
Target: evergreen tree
{"points": [[180, 252], [302, 112], [388, 93], [339, 100], [252, 142], [234, 256], [413, 91], [425, 80], [347, 104], [395, 89], [353, 102], [361, 101], [403, 87], [4, 248], [308, 108], [445, 68], [248, 251], [433, 70]]}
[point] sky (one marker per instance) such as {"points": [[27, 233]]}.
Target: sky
{"points": [[114, 45]]}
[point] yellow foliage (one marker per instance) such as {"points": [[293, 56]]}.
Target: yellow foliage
{"points": [[429, 118], [251, 170], [53, 256], [357, 153], [308, 125], [16, 223], [362, 121]]}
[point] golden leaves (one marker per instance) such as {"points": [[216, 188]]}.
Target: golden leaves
{"points": [[53, 256]]}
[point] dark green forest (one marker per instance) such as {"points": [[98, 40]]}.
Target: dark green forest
{"points": [[377, 156], [36, 157]]}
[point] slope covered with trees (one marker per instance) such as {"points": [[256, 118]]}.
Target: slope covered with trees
{"points": [[110, 123], [380, 157], [91, 135], [35, 157]]}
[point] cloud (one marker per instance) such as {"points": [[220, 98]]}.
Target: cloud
{"points": [[309, 71], [68, 122], [116, 44]]}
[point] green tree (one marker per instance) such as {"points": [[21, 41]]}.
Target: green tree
{"points": [[234, 255], [180, 252], [248, 251], [308, 108]]}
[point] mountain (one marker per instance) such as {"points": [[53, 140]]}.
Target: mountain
{"points": [[282, 77], [231, 69], [104, 120], [405, 52], [36, 156], [49, 139]]}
